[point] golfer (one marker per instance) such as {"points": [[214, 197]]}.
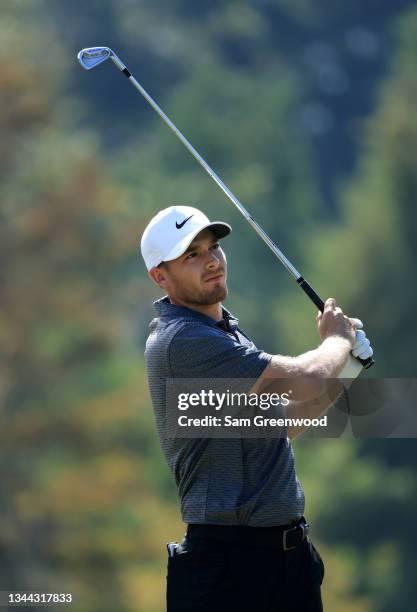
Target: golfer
{"points": [[246, 546]]}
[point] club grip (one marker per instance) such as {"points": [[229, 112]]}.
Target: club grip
{"points": [[367, 363], [316, 299]]}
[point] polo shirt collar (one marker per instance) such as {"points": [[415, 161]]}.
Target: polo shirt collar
{"points": [[164, 307]]}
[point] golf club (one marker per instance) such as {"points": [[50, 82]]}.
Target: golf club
{"points": [[91, 57]]}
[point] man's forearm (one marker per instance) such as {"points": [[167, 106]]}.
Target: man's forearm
{"points": [[316, 367], [306, 374], [328, 359]]}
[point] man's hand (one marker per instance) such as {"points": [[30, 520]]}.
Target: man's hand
{"points": [[362, 347], [332, 322]]}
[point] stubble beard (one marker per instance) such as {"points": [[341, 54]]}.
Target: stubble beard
{"points": [[216, 294]]}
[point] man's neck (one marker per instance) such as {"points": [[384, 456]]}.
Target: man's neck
{"points": [[210, 310]]}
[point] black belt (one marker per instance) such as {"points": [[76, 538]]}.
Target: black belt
{"points": [[284, 538]]}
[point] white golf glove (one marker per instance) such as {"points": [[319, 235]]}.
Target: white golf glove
{"points": [[362, 349]]}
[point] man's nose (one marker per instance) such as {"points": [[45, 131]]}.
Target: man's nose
{"points": [[212, 260]]}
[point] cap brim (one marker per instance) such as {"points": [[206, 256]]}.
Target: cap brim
{"points": [[219, 228]]}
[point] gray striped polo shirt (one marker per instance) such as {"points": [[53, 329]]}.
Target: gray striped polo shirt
{"points": [[220, 481]]}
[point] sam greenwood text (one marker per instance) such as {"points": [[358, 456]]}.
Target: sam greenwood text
{"points": [[257, 421]]}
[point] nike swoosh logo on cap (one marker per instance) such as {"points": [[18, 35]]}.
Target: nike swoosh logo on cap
{"points": [[179, 225]]}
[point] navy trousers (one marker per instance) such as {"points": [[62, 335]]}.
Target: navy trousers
{"points": [[208, 576]]}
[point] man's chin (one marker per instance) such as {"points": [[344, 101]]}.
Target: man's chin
{"points": [[216, 295]]}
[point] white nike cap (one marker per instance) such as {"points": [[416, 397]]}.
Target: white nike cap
{"points": [[169, 234]]}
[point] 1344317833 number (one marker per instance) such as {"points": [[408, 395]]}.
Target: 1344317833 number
{"points": [[39, 598]]}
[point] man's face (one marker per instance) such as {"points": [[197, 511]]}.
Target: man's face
{"points": [[198, 277]]}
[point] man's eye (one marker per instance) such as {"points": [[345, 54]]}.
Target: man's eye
{"points": [[190, 255], [215, 246]]}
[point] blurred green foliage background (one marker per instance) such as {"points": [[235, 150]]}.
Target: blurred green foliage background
{"points": [[308, 111]]}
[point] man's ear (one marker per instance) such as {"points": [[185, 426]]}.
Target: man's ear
{"points": [[159, 276]]}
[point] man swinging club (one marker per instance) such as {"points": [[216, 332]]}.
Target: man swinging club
{"points": [[246, 546]]}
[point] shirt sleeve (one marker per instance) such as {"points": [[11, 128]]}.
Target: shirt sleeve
{"points": [[206, 352]]}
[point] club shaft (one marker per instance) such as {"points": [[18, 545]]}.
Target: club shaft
{"points": [[286, 263]]}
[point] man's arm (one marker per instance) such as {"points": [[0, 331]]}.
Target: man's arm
{"points": [[309, 372]]}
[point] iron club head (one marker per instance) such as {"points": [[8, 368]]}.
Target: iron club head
{"points": [[93, 56]]}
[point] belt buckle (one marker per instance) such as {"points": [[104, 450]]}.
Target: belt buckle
{"points": [[304, 527]]}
